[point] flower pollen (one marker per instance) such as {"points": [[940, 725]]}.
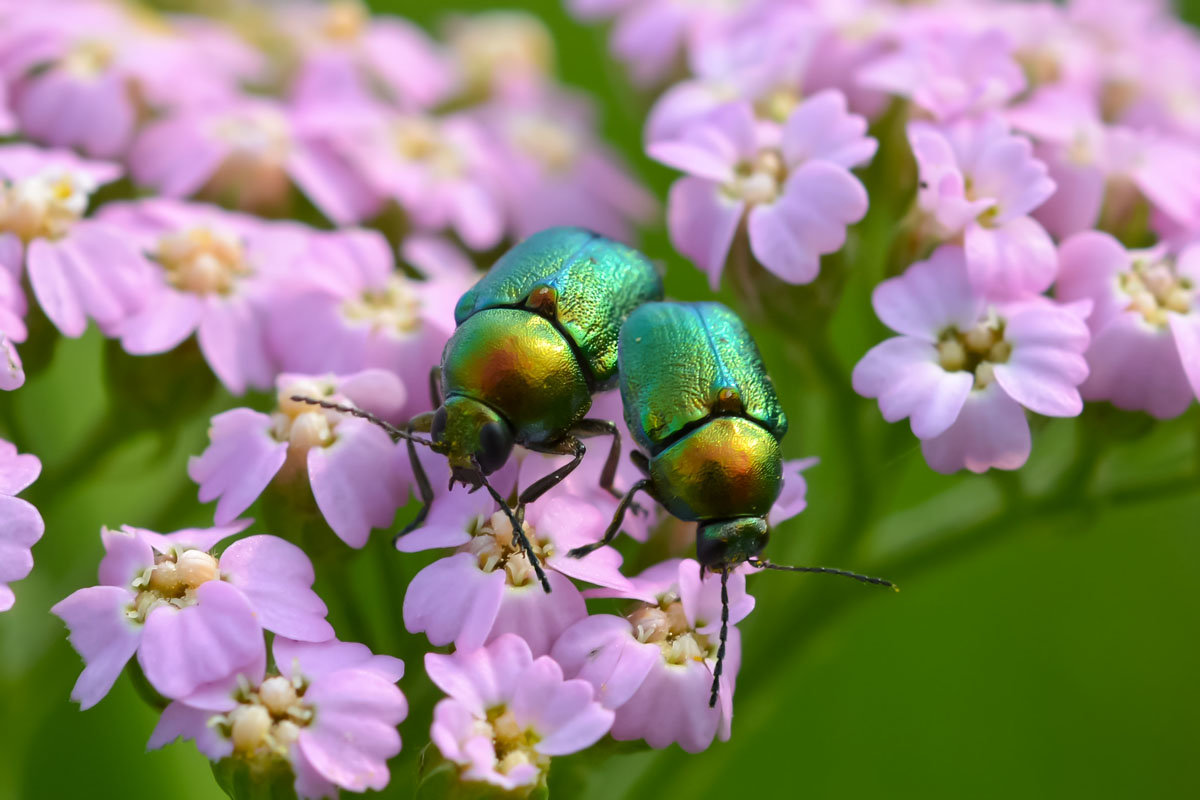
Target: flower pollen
{"points": [[267, 720], [666, 625], [44, 205], [203, 261], [394, 309], [514, 746], [173, 580], [495, 547], [760, 180], [1155, 288], [302, 425], [975, 350]]}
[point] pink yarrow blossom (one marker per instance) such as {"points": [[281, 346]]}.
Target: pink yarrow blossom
{"points": [[360, 311], [964, 368], [436, 168], [12, 373], [191, 618], [949, 71], [791, 186], [347, 55], [979, 181], [508, 713], [78, 268], [85, 73], [328, 709], [1145, 350], [653, 36], [212, 273], [20, 523], [359, 476], [247, 152], [654, 665], [488, 586], [551, 169]]}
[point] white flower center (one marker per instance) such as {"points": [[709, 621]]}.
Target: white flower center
{"points": [[758, 181], [778, 103], [552, 144], [89, 59], [173, 580], [202, 261], [514, 746], [260, 133], [395, 309], [44, 205], [302, 425], [665, 624], [976, 350], [420, 139], [495, 547], [500, 42], [1155, 288], [267, 720], [345, 21]]}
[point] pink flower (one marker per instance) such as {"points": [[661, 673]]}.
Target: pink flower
{"points": [[792, 186], [793, 498], [213, 273], [359, 476], [552, 170], [949, 71], [652, 36], [654, 665], [348, 55], [78, 268], [436, 168], [247, 152], [1145, 350], [487, 587], [20, 523], [963, 368], [508, 713], [12, 374], [192, 619], [87, 71], [330, 709], [360, 311], [980, 181]]}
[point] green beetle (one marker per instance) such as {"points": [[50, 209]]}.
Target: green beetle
{"points": [[699, 401], [536, 337]]}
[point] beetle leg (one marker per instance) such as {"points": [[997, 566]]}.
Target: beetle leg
{"points": [[602, 427], [640, 461], [614, 527], [569, 444], [421, 423], [435, 386]]}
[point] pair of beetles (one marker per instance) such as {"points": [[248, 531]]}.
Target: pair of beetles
{"points": [[568, 313]]}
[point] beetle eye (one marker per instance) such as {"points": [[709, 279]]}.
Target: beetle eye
{"points": [[439, 424], [494, 446]]}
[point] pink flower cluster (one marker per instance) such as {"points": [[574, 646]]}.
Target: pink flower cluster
{"points": [[367, 117], [195, 622], [1051, 142]]}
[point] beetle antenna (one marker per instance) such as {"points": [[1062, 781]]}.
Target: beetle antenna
{"points": [[716, 684], [389, 428], [763, 564], [519, 532]]}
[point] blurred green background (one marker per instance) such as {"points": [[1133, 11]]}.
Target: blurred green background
{"points": [[1044, 645]]}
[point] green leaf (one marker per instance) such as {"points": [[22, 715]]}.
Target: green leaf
{"points": [[242, 780]]}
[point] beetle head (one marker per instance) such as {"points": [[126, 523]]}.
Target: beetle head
{"points": [[728, 542], [473, 437]]}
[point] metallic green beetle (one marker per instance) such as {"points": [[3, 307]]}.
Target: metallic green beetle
{"points": [[536, 338], [699, 401]]}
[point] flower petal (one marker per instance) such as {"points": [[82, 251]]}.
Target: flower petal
{"points": [[452, 600], [991, 432], [276, 577], [103, 634]]}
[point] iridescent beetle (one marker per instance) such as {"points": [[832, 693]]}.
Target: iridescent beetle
{"points": [[536, 338], [699, 401]]}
